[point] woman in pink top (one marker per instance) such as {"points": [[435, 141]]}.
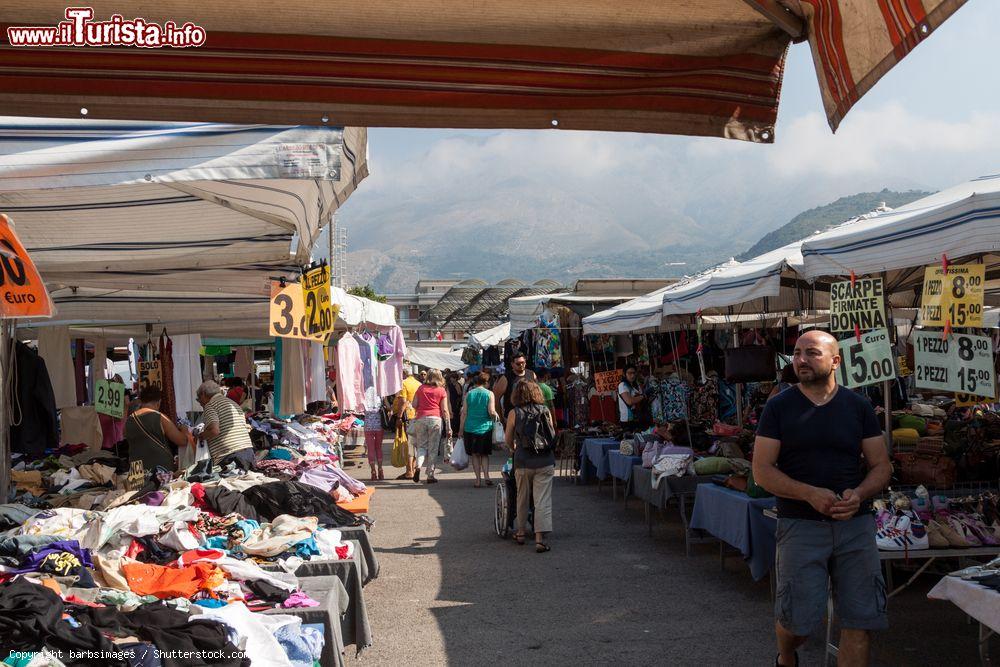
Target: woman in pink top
{"points": [[432, 415]]}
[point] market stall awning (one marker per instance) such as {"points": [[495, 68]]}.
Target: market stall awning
{"points": [[644, 312], [707, 68], [960, 221], [492, 336], [94, 196], [430, 357], [125, 313], [525, 311]]}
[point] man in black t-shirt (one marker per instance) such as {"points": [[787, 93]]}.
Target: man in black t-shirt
{"points": [[808, 453]]}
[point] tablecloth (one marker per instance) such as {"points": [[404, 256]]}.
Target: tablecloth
{"points": [[982, 604], [360, 535], [354, 624], [620, 465], [642, 486], [333, 603], [738, 520], [594, 458]]}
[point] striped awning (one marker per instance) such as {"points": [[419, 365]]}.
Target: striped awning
{"points": [[712, 67]]}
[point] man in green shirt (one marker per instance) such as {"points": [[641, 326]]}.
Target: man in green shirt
{"points": [[544, 375]]}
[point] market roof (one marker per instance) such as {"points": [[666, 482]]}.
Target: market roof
{"points": [[710, 68], [475, 304]]}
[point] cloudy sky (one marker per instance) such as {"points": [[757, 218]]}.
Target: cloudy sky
{"points": [[933, 121]]}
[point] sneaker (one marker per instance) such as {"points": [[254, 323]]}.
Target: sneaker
{"points": [[904, 534]]}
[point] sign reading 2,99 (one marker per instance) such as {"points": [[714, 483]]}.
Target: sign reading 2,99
{"points": [[109, 398], [866, 362], [959, 363]]}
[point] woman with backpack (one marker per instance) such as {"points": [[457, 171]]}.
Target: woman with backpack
{"points": [[530, 433]]}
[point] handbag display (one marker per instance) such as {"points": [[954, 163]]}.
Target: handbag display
{"points": [[754, 363], [928, 465]]}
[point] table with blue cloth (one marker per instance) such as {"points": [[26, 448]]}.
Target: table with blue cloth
{"points": [[620, 468], [594, 458], [738, 520]]}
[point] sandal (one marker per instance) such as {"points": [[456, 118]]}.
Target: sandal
{"points": [[476, 485], [542, 547], [519, 539], [489, 482]]}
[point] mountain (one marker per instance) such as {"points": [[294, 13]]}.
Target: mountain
{"points": [[819, 218], [593, 214]]}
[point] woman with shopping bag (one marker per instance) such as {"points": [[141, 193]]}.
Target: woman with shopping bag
{"points": [[479, 414]]}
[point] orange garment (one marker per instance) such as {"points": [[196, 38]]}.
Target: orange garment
{"points": [[360, 504], [172, 582]]}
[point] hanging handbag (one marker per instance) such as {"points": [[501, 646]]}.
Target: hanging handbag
{"points": [[928, 465]]}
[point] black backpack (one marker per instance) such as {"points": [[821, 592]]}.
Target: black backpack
{"points": [[536, 431]]}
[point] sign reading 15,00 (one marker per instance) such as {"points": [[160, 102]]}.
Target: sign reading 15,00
{"points": [[866, 362]]}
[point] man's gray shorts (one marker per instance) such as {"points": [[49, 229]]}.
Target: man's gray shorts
{"points": [[813, 554]]}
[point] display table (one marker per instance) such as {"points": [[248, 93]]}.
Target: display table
{"points": [[361, 504], [620, 468], [359, 534], [333, 604], [594, 458], [979, 602], [738, 520], [681, 488], [354, 625]]}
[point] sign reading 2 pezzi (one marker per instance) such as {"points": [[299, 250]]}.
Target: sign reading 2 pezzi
{"points": [[957, 296], [959, 363]]}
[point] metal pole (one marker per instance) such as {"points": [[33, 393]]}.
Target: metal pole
{"points": [[6, 387], [886, 384], [739, 386]]}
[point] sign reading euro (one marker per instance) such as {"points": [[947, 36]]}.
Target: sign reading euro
{"points": [[857, 306]]}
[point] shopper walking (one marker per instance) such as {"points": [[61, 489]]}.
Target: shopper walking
{"points": [[808, 453], [152, 438], [504, 386], [479, 413], [226, 428], [531, 434], [405, 413], [432, 416]]}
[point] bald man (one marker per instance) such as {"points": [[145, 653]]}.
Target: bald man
{"points": [[813, 442]]}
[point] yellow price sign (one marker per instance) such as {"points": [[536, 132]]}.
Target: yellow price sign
{"points": [[957, 296], [320, 316], [288, 314], [149, 374]]}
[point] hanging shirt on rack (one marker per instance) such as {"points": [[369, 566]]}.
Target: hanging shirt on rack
{"points": [[391, 366], [548, 351], [350, 385], [369, 369], [705, 401]]}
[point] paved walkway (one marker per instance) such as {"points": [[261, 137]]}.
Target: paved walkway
{"points": [[453, 593]]}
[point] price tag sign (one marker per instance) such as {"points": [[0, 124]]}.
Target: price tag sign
{"points": [[22, 292], [860, 305], [606, 381], [960, 363], [957, 296], [968, 400], [288, 314], [320, 316], [902, 367], [867, 362], [136, 477], [149, 374], [109, 398]]}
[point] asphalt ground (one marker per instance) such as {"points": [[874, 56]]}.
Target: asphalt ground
{"points": [[452, 593]]}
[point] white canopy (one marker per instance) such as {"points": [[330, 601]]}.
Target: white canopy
{"points": [[493, 336], [960, 221], [93, 196], [432, 357], [525, 311], [644, 312]]}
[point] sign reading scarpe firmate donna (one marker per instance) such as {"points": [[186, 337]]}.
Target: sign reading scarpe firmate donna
{"points": [[22, 292], [857, 305]]}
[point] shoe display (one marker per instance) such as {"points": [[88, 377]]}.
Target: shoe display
{"points": [[903, 533], [964, 531], [935, 537]]}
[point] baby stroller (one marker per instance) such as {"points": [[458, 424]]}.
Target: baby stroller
{"points": [[506, 502]]}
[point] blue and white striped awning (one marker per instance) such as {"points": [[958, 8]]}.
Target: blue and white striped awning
{"points": [[960, 222], [644, 312]]}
